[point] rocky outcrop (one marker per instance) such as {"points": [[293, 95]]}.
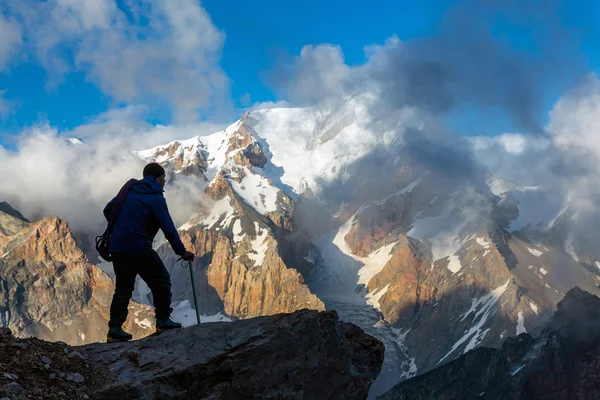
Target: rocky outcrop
{"points": [[239, 268], [48, 288], [560, 360], [374, 223], [488, 299], [186, 158], [409, 280], [304, 355]]}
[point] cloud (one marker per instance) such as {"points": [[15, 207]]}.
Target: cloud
{"points": [[505, 57], [161, 53], [146, 55], [47, 175], [565, 161], [318, 73]]}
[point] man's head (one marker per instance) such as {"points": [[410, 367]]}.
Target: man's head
{"points": [[155, 170]]}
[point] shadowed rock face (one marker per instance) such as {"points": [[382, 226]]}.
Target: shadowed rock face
{"points": [[560, 360], [304, 355]]}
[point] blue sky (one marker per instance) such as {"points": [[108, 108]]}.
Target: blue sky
{"points": [[258, 36]]}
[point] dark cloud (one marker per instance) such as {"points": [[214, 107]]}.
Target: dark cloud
{"points": [[508, 56]]}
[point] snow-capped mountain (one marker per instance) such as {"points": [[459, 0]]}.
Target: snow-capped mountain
{"points": [[316, 207]]}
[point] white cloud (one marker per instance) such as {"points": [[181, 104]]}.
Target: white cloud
{"points": [[156, 52], [47, 175], [318, 73], [566, 160], [575, 118]]}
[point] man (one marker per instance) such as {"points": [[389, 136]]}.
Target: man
{"points": [[144, 212]]}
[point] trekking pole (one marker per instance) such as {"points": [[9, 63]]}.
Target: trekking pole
{"points": [[189, 265]]}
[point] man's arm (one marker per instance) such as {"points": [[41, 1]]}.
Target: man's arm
{"points": [[168, 227]]}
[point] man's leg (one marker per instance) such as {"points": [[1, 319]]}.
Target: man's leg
{"points": [[125, 273], [156, 276]]}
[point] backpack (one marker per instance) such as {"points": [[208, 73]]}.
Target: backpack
{"points": [[111, 213]]}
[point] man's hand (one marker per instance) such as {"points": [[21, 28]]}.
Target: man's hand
{"points": [[188, 256]]}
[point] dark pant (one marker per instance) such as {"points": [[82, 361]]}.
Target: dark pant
{"points": [[151, 269]]}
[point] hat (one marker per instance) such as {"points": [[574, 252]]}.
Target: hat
{"points": [[153, 169]]}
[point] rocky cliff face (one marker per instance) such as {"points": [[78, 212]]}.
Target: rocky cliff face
{"points": [[49, 290], [305, 355], [246, 266], [443, 270], [240, 268], [559, 360]]}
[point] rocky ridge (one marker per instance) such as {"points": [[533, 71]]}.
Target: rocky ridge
{"points": [[303, 355]]}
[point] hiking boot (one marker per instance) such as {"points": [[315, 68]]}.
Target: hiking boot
{"points": [[166, 324], [117, 334]]}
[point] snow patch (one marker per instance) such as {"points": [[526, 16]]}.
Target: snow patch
{"points": [[374, 263], [521, 324], [482, 310], [534, 308], [400, 341], [188, 224], [185, 314], [257, 192], [238, 235], [454, 264], [482, 242], [259, 245], [373, 298], [535, 252], [222, 211]]}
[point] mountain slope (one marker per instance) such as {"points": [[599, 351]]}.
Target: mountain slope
{"points": [[49, 290], [557, 361]]}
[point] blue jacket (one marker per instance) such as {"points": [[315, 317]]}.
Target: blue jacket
{"points": [[144, 213]]}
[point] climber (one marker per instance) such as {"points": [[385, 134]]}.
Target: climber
{"points": [[144, 210]]}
